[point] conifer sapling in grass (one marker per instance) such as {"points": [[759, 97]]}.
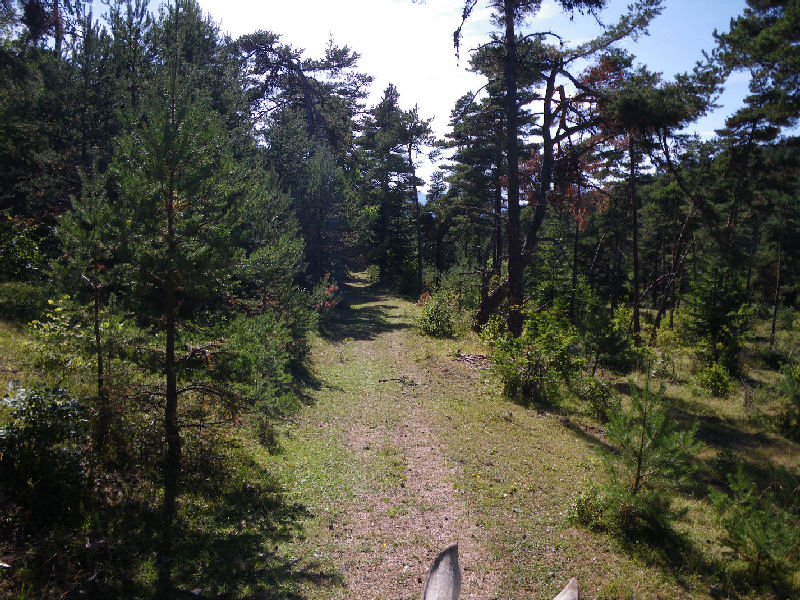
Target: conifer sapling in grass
{"points": [[652, 457], [759, 533]]}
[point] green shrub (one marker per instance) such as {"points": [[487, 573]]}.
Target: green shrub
{"points": [[663, 366], [609, 507], [20, 255], [290, 306], [373, 274], [22, 301], [257, 367], [608, 337], [768, 358], [430, 277], [60, 338], [649, 458], [438, 316], [586, 509], [788, 318], [44, 460], [597, 394], [669, 344], [671, 339], [652, 452], [761, 535], [716, 319], [401, 274], [715, 380], [761, 311], [324, 298], [461, 283], [646, 515], [790, 385], [533, 366]]}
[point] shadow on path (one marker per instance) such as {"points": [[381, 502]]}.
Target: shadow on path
{"points": [[364, 314]]}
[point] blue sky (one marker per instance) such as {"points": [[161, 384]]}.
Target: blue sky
{"points": [[410, 43], [676, 42]]}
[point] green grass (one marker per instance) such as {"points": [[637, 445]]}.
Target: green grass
{"points": [[342, 462], [520, 467], [14, 362]]}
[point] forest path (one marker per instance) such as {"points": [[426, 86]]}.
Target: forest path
{"points": [[369, 461], [404, 448]]}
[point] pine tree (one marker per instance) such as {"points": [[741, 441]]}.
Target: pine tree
{"points": [[182, 197], [416, 134], [89, 238], [386, 172], [763, 41], [306, 109], [557, 125], [652, 456]]}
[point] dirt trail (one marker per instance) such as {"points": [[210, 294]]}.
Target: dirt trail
{"points": [[378, 398]]}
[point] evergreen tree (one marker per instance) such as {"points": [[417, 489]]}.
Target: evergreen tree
{"points": [[763, 41], [306, 109], [437, 220], [478, 140], [327, 91], [183, 197], [416, 134], [386, 174], [715, 320], [89, 238], [559, 121], [130, 25]]}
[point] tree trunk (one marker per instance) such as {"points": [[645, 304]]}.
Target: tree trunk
{"points": [[514, 243], [574, 266], [677, 263], [594, 260], [438, 258], [85, 105], [383, 224], [634, 244], [171, 468], [417, 218], [672, 307], [548, 159], [173, 457], [321, 267], [103, 408], [58, 28], [663, 265], [777, 296], [498, 225], [519, 255], [489, 305], [617, 272], [748, 290]]}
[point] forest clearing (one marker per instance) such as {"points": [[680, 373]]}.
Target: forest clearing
{"points": [[249, 352]]}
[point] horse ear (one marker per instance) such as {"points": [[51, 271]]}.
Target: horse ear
{"points": [[444, 578], [570, 592]]}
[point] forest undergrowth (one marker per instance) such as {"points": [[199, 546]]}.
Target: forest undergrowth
{"points": [[397, 414], [405, 443]]}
